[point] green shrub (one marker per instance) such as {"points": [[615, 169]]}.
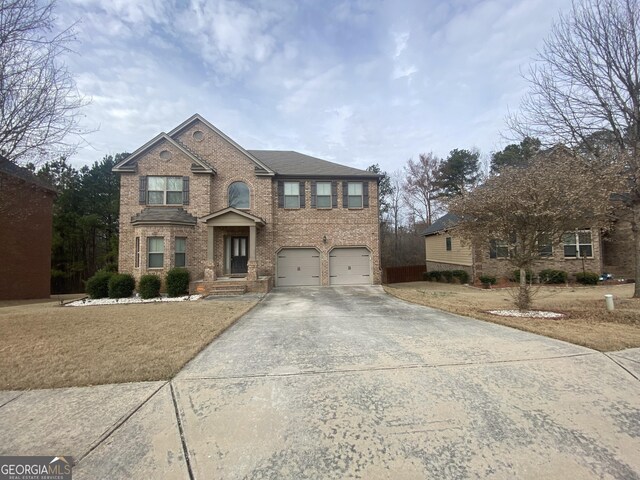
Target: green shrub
{"points": [[553, 276], [587, 278], [177, 282], [425, 276], [461, 275], [515, 276], [487, 279], [149, 286], [121, 285], [434, 276], [447, 276], [98, 285]]}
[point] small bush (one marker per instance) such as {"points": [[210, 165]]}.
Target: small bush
{"points": [[121, 285], [149, 286], [515, 276], [447, 276], [487, 279], [461, 275], [434, 276], [177, 282], [98, 285], [425, 276], [553, 276], [587, 278]]}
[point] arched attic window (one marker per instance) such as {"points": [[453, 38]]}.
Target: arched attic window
{"points": [[239, 195]]}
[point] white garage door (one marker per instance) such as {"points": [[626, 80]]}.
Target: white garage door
{"points": [[350, 266], [298, 266]]}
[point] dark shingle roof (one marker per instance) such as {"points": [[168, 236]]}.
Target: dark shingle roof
{"points": [[443, 223], [286, 162], [22, 173], [163, 216]]}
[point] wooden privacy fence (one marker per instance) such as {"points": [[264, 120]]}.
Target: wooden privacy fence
{"points": [[407, 273]]}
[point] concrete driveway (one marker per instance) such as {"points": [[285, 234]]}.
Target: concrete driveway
{"points": [[351, 383]]}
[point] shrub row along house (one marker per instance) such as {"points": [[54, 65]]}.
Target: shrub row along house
{"points": [[588, 249], [194, 198]]}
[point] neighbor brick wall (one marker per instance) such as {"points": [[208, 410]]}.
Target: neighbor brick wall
{"points": [[26, 218], [618, 251], [502, 268]]}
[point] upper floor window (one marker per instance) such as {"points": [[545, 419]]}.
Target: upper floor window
{"points": [[578, 244], [239, 195], [323, 195], [355, 194], [291, 195], [164, 190], [448, 243]]}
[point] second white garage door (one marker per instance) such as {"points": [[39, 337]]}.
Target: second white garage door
{"points": [[350, 266], [298, 266]]}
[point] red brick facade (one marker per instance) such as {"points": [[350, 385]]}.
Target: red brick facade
{"points": [[208, 193], [26, 210]]}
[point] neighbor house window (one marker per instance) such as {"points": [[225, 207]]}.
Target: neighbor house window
{"points": [[238, 195], [545, 247], [323, 195], [355, 194], [180, 252], [448, 243], [499, 249], [578, 244], [137, 259], [164, 190], [291, 195], [155, 249]]}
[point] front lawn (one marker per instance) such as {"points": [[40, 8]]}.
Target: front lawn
{"points": [[587, 322], [44, 345]]}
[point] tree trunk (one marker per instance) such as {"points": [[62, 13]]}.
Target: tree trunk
{"points": [[635, 228], [523, 301]]}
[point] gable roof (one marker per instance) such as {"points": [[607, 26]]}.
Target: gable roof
{"points": [[129, 164], [9, 168], [444, 223], [261, 168], [290, 163], [235, 211]]}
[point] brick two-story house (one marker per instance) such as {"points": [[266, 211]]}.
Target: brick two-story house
{"points": [[194, 198]]}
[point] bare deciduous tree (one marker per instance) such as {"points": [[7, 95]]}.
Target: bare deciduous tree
{"points": [[586, 88], [39, 101], [530, 206], [420, 186]]}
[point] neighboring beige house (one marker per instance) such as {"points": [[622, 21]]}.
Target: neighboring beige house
{"points": [[245, 219], [586, 249]]}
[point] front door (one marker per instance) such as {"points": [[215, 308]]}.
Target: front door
{"points": [[239, 254]]}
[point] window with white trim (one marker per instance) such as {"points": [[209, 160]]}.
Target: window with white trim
{"points": [[137, 259], [180, 254], [239, 195], [498, 249], [355, 194], [323, 195], [545, 246], [447, 242], [291, 195], [164, 190], [155, 252], [578, 244]]}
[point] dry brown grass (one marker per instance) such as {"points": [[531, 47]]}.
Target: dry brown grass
{"points": [[45, 345], [587, 322]]}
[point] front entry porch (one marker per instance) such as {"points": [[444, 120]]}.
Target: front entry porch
{"points": [[231, 264]]}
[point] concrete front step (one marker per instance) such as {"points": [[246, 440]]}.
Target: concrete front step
{"points": [[228, 290]]}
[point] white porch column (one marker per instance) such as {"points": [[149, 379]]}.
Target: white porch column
{"points": [[252, 243]]}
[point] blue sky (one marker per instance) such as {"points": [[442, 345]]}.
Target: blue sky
{"points": [[357, 82]]}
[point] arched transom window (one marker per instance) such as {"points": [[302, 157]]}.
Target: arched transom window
{"points": [[239, 195]]}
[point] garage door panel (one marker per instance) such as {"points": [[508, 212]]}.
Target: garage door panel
{"points": [[350, 266], [298, 267]]}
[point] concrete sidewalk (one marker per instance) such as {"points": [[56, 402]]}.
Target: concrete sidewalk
{"points": [[350, 382]]}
